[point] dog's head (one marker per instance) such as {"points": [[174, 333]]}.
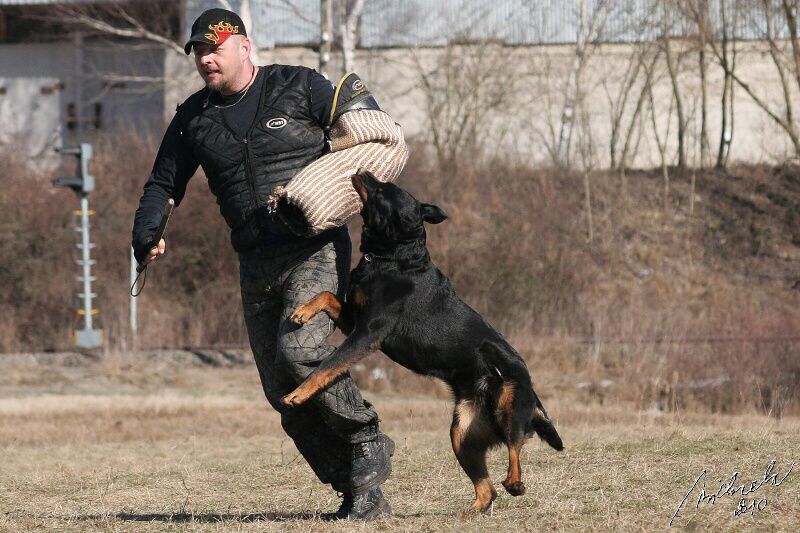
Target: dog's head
{"points": [[391, 214]]}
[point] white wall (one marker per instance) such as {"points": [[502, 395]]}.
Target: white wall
{"points": [[35, 119], [42, 79]]}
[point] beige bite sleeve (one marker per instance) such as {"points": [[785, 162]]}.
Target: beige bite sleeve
{"points": [[367, 139]]}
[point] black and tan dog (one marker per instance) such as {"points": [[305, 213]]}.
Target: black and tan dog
{"points": [[400, 303]]}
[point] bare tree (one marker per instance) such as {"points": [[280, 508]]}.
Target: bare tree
{"points": [[701, 8], [141, 23], [790, 11], [721, 40], [590, 27], [661, 140], [771, 20], [347, 14], [325, 35], [458, 100], [620, 90], [586, 149], [647, 59], [349, 29], [245, 14], [618, 99], [672, 68], [727, 61], [777, 19]]}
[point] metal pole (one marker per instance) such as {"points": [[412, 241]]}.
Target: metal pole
{"points": [[78, 71], [134, 322], [82, 185], [87, 266], [88, 337]]}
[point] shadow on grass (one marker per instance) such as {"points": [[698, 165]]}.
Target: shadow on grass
{"points": [[223, 517], [190, 517]]}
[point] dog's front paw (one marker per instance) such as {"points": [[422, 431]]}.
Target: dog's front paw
{"points": [[290, 400], [302, 314], [294, 398]]}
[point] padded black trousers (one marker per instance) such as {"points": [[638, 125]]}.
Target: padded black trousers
{"points": [[274, 281]]}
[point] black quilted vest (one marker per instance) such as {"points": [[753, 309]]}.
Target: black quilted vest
{"points": [[243, 172]]}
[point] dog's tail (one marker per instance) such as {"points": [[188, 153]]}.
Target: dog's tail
{"points": [[543, 426]]}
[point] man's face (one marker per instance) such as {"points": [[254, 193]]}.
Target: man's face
{"points": [[220, 66]]}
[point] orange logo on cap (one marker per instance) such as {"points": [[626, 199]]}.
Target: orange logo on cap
{"points": [[222, 30]]}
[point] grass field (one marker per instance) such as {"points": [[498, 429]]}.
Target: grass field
{"points": [[152, 445]]}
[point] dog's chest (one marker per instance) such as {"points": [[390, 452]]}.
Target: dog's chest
{"points": [[404, 352]]}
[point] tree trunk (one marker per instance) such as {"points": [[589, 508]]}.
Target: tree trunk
{"points": [[349, 31], [587, 33], [673, 76], [325, 25], [662, 148], [731, 102], [791, 21], [618, 107], [571, 91], [725, 135], [587, 192], [637, 112], [703, 105], [701, 16], [247, 19]]}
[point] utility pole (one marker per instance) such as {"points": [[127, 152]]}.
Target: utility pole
{"points": [[133, 307], [82, 185]]}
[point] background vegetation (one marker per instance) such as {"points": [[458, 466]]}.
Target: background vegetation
{"points": [[691, 306]]}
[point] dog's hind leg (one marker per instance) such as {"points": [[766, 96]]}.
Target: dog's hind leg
{"points": [[511, 417], [472, 434], [513, 482]]}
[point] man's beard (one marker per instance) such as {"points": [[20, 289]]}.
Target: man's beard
{"points": [[218, 85]]}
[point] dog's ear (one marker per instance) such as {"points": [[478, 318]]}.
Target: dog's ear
{"points": [[433, 214]]}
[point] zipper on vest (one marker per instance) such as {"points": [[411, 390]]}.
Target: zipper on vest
{"points": [[248, 172]]}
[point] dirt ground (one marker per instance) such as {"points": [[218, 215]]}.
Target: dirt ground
{"points": [[175, 443]]}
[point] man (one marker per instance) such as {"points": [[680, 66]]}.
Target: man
{"points": [[253, 128]]}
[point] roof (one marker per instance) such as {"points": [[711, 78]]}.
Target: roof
{"points": [[403, 23]]}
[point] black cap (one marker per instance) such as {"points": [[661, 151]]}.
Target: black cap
{"points": [[214, 26]]}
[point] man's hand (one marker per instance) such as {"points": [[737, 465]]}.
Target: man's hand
{"points": [[155, 251]]}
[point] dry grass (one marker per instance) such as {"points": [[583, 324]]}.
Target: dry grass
{"points": [[148, 445]]}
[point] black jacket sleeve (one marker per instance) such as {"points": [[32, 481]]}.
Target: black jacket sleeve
{"points": [[173, 168], [321, 98]]}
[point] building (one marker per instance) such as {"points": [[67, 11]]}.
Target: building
{"points": [[62, 82], [59, 85]]}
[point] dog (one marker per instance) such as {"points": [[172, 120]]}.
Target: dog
{"points": [[400, 303]]}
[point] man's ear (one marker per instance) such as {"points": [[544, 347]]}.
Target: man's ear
{"points": [[433, 214]]}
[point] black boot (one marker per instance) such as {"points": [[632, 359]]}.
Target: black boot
{"points": [[371, 464], [367, 506]]}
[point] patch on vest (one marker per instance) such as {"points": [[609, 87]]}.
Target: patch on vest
{"points": [[276, 123]]}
